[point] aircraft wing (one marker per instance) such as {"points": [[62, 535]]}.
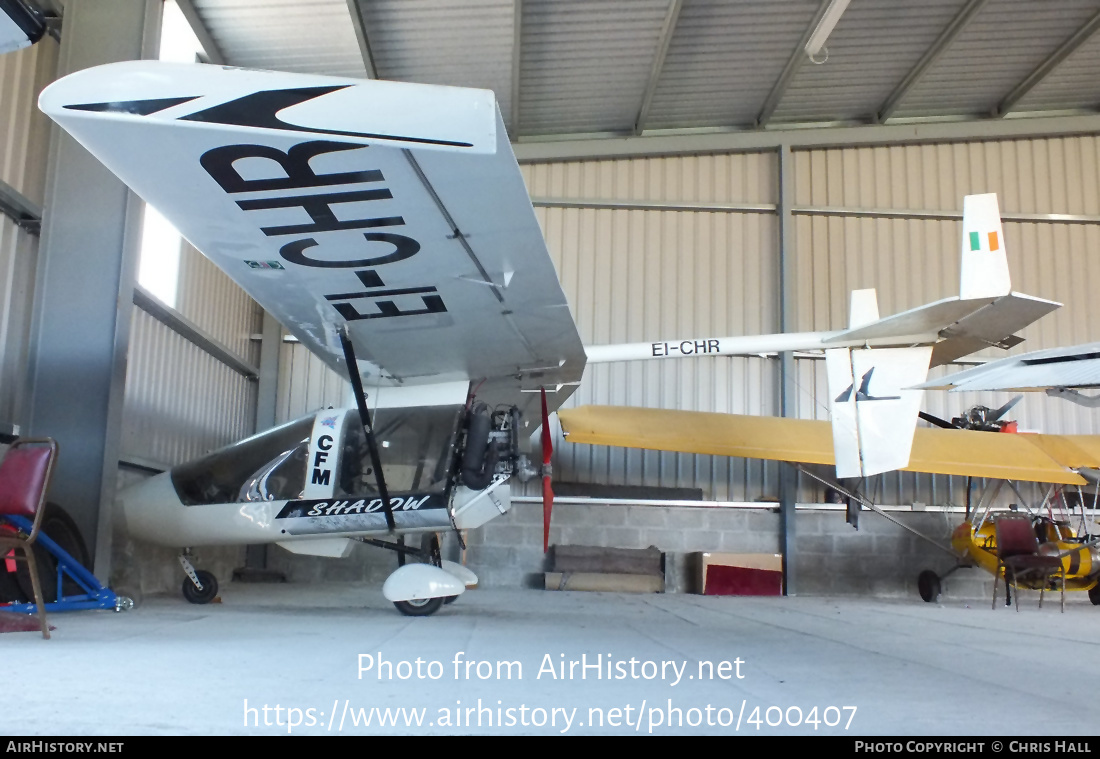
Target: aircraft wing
{"points": [[1033, 458], [1077, 366], [395, 210], [21, 26]]}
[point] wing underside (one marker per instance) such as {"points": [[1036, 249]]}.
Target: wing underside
{"points": [[1072, 367], [395, 211], [1032, 458]]}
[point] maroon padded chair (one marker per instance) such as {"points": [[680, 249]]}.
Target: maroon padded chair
{"points": [[1018, 553], [24, 479]]}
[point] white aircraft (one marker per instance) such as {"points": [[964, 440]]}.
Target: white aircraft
{"points": [[386, 226]]}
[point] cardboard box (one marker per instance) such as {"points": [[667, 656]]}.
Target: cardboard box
{"points": [[741, 574]]}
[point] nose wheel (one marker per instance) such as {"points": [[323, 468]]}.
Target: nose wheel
{"points": [[200, 586], [204, 595]]}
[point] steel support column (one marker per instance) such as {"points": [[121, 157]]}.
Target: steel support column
{"points": [[84, 288], [267, 386], [788, 475]]}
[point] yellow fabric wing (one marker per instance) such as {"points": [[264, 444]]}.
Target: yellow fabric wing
{"points": [[1034, 458]]}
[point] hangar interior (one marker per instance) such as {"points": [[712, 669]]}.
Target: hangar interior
{"points": [[695, 172]]}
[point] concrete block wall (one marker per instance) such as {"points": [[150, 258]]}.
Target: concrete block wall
{"points": [[881, 559]]}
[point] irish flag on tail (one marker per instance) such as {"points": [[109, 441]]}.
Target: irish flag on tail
{"points": [[976, 241], [984, 264]]}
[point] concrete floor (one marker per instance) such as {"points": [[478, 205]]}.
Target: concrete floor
{"points": [[907, 668]]}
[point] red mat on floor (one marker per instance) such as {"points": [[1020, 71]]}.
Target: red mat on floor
{"points": [[11, 623]]}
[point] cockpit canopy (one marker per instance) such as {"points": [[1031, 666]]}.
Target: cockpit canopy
{"points": [[415, 445]]}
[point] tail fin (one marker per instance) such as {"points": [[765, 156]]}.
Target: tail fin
{"points": [[863, 309], [874, 414], [984, 264]]}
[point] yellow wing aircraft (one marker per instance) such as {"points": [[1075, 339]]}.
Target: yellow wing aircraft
{"points": [[1059, 460]]}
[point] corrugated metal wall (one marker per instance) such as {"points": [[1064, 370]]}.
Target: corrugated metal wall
{"points": [[212, 301], [911, 261], [641, 274], [24, 135], [181, 402], [305, 384], [651, 273]]}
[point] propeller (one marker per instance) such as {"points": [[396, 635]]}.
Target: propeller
{"points": [[547, 491], [935, 421], [995, 415]]}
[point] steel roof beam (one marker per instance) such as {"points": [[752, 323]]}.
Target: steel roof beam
{"points": [[794, 63], [21, 210], [359, 24], [1065, 50], [667, 29], [931, 55], [194, 20], [569, 147]]}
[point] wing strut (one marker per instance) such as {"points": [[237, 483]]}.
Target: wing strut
{"points": [[364, 417]]}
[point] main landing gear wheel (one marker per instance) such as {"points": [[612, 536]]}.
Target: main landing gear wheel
{"points": [[928, 585], [420, 607], [1094, 594], [209, 588]]}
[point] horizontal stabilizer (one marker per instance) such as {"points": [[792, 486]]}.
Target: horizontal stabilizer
{"points": [[963, 326], [1032, 458]]}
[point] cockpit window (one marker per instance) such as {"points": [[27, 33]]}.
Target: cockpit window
{"points": [[268, 466], [416, 446], [281, 479]]}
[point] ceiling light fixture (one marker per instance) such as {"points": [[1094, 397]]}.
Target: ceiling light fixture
{"points": [[825, 26]]}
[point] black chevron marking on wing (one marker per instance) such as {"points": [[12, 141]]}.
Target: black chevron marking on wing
{"points": [[261, 110], [135, 107]]}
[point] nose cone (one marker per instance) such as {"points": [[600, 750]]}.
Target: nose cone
{"points": [[152, 510]]}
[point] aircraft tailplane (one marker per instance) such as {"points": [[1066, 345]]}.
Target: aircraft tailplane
{"points": [[984, 272], [873, 411]]}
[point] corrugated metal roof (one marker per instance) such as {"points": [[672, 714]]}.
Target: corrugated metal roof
{"points": [[303, 36], [1073, 84], [723, 59], [586, 66], [465, 43], [875, 45], [1004, 43]]}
